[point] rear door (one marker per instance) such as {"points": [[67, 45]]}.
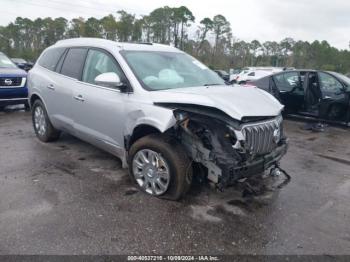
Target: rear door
{"points": [[290, 88], [335, 100], [70, 68], [47, 81], [99, 111]]}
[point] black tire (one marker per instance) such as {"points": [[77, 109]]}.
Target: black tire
{"points": [[26, 107], [50, 134], [176, 158]]}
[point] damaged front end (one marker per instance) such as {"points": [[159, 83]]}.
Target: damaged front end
{"points": [[229, 149]]}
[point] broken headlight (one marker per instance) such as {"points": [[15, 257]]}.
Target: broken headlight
{"points": [[180, 115], [232, 135]]}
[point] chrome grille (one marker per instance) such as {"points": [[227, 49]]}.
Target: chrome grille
{"points": [[10, 82], [260, 137]]}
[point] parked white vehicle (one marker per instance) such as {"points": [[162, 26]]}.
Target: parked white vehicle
{"points": [[156, 108], [233, 74], [254, 73]]}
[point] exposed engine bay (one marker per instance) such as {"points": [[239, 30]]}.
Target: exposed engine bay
{"points": [[229, 149]]}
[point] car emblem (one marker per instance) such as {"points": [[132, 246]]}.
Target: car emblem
{"points": [[276, 135], [8, 82]]}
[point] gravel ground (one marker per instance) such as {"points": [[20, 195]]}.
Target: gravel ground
{"points": [[68, 197]]}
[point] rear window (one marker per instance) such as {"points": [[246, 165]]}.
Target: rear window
{"points": [[263, 83], [287, 81], [50, 58], [74, 62]]}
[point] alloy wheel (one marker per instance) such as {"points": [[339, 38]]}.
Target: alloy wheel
{"points": [[40, 121], [151, 171]]}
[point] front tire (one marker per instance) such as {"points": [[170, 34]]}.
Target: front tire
{"points": [[43, 128], [26, 107], [160, 167]]}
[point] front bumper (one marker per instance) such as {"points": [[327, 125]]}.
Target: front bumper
{"points": [[13, 96], [13, 101], [258, 165]]}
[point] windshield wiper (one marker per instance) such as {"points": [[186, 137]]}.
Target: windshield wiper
{"points": [[212, 84]]}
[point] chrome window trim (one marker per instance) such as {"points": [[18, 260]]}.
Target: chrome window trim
{"points": [[102, 87], [89, 84]]}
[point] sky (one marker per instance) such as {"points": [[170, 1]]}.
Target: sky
{"points": [[263, 20]]}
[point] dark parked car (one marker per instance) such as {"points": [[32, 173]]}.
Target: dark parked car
{"points": [[13, 80], [23, 64], [309, 93], [223, 74]]}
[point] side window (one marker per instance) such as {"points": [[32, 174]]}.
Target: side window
{"points": [[251, 74], [263, 83], [98, 62], [74, 62], [60, 62], [329, 83], [50, 58], [287, 81]]}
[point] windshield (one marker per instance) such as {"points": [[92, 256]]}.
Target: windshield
{"points": [[169, 70], [6, 62], [343, 78]]}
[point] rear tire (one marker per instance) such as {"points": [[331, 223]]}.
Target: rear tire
{"points": [[168, 158], [43, 128]]}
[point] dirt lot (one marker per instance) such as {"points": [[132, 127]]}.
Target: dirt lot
{"points": [[68, 197]]}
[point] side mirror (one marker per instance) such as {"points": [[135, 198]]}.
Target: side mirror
{"points": [[109, 80]]}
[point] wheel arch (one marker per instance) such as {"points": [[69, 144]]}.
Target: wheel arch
{"points": [[34, 97], [140, 131]]}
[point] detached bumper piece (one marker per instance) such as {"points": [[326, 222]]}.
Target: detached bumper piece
{"points": [[257, 165]]}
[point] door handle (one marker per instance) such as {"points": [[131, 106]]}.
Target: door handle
{"points": [[51, 86], [79, 98]]}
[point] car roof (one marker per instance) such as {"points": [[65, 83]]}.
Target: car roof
{"points": [[104, 43], [299, 70]]}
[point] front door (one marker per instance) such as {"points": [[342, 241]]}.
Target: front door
{"points": [[334, 104], [99, 111], [312, 96]]}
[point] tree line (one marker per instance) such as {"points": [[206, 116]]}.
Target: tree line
{"points": [[211, 40]]}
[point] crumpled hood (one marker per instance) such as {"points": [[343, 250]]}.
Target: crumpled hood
{"points": [[236, 101], [12, 72]]}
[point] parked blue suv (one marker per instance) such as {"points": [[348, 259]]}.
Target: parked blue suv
{"points": [[13, 80]]}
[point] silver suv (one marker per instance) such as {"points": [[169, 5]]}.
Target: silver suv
{"points": [[158, 109]]}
